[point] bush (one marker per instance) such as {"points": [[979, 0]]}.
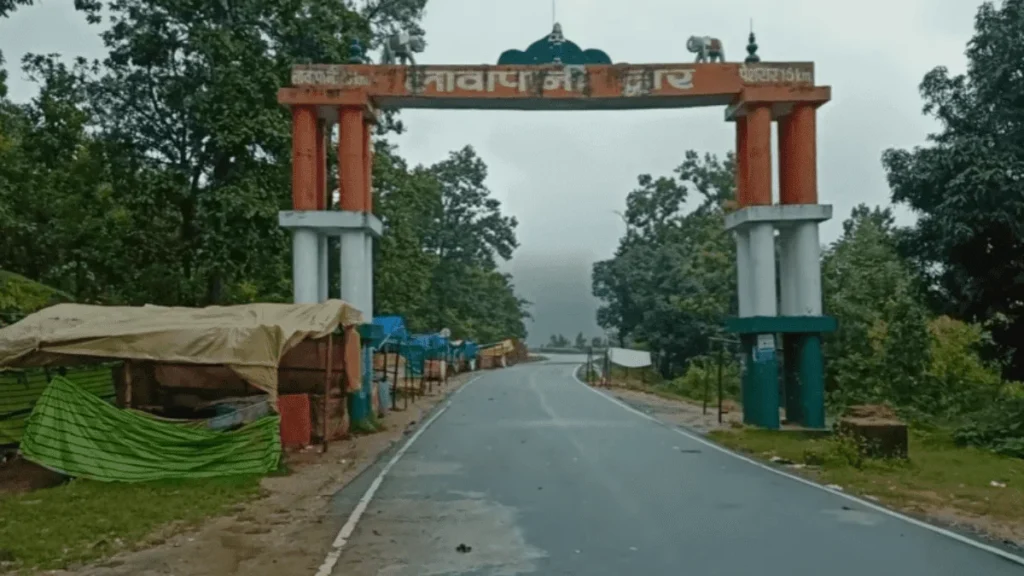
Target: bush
{"points": [[957, 380], [703, 370], [20, 296], [999, 428]]}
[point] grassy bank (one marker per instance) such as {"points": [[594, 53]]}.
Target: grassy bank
{"points": [[939, 479], [83, 521]]}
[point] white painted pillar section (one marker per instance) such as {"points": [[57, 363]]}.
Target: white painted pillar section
{"points": [[789, 298], [762, 260], [743, 275], [369, 275], [324, 280], [807, 264], [353, 269], [305, 266]]}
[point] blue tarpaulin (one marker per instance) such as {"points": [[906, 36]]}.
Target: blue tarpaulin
{"points": [[393, 327], [435, 345]]}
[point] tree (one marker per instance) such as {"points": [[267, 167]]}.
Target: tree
{"points": [[581, 342], [467, 234], [966, 185], [405, 200], [881, 350], [672, 280], [155, 176]]}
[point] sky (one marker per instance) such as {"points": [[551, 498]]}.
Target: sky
{"points": [[564, 174]]}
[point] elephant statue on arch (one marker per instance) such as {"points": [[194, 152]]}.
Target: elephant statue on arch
{"points": [[400, 47], [706, 48]]}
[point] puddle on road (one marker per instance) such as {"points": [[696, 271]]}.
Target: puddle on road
{"points": [[400, 537], [415, 467], [859, 517]]}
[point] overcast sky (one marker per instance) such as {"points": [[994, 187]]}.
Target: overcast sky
{"points": [[562, 174]]}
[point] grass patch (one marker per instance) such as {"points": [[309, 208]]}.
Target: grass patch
{"points": [[368, 425], [83, 521], [939, 475]]}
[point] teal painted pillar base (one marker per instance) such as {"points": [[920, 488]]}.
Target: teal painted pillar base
{"points": [[812, 381], [791, 377], [761, 382], [359, 402]]}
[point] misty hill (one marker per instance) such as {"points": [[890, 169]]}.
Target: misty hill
{"points": [[559, 287]]}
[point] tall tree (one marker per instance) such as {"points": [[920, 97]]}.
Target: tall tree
{"points": [[881, 350], [671, 282], [967, 184]]}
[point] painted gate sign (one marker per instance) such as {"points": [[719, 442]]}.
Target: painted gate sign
{"points": [[776, 75]]}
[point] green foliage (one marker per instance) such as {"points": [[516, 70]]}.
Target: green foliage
{"points": [[558, 341], [672, 280], [156, 175], [881, 350], [965, 185], [38, 532], [20, 296], [702, 375]]}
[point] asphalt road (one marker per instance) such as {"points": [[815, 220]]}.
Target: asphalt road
{"points": [[535, 474]]}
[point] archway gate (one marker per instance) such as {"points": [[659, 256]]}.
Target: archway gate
{"points": [[754, 95]]}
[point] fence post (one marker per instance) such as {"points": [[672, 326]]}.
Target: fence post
{"points": [[721, 348]]}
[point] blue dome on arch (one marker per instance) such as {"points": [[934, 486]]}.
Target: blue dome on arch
{"points": [[554, 49]]}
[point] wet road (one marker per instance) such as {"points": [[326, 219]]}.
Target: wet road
{"points": [[529, 472]]}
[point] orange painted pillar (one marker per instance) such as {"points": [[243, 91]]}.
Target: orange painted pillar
{"points": [[351, 168], [759, 156], [741, 162], [367, 169], [798, 164], [321, 166], [304, 165]]}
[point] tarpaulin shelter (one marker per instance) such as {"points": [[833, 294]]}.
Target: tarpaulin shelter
{"points": [[393, 327], [248, 339], [629, 358], [502, 348]]}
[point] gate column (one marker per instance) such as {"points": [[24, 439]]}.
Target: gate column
{"points": [[754, 224], [305, 244], [312, 220]]}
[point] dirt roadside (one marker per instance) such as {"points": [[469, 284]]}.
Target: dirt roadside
{"points": [[678, 412], [287, 531]]}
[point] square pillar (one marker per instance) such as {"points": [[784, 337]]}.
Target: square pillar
{"points": [[368, 208], [743, 276], [741, 162], [305, 276], [758, 162], [323, 277], [798, 164], [321, 165], [304, 154], [352, 189]]}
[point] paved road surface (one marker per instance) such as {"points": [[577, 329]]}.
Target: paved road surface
{"points": [[538, 475]]}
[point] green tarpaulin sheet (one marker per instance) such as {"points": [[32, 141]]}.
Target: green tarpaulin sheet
{"points": [[19, 392], [76, 433]]}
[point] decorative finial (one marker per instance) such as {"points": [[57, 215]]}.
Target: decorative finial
{"points": [[355, 52], [752, 47]]}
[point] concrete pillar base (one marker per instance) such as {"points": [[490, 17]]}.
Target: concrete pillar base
{"points": [[305, 264], [800, 282], [358, 228]]}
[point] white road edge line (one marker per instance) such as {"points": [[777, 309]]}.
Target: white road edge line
{"points": [[350, 525], [868, 504]]}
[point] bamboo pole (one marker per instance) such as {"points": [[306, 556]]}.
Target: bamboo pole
{"points": [[327, 387], [127, 384]]}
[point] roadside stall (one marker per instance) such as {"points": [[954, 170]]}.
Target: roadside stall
{"points": [[271, 373]]}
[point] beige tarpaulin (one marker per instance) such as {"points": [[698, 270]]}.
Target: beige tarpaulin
{"points": [[500, 349], [250, 339]]}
